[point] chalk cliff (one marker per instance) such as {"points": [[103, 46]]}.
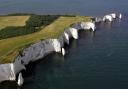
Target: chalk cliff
{"points": [[35, 52], [84, 26]]}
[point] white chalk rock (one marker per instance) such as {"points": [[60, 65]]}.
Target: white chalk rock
{"points": [[38, 50], [85, 26], [20, 80], [56, 45], [77, 26], [66, 38], [12, 76], [113, 15], [19, 64], [88, 26], [7, 72], [108, 18], [120, 16], [63, 51], [72, 32]]}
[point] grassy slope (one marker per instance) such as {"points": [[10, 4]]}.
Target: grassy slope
{"points": [[12, 21], [9, 48]]}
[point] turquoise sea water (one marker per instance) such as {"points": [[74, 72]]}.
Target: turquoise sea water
{"points": [[95, 61]]}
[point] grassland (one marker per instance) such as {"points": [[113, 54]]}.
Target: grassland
{"points": [[6, 21], [9, 48]]}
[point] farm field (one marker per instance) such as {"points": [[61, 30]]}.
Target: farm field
{"points": [[6, 21]]}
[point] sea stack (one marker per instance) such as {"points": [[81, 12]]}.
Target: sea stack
{"points": [[120, 16], [113, 15], [20, 80], [63, 51], [108, 18]]}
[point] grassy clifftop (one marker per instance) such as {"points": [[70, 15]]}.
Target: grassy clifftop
{"points": [[10, 47]]}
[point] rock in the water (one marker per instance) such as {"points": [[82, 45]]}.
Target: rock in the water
{"points": [[63, 51], [85, 26], [108, 18], [20, 80], [120, 16], [113, 15]]}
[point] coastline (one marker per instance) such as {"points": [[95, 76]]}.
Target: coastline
{"points": [[40, 49], [36, 51]]}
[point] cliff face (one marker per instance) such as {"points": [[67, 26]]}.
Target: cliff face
{"points": [[85, 26], [7, 72], [35, 52]]}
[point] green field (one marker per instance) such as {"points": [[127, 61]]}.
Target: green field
{"points": [[10, 47], [6, 21]]}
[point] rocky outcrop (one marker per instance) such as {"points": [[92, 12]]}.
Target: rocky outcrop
{"points": [[120, 16], [107, 18], [20, 80], [85, 26]]}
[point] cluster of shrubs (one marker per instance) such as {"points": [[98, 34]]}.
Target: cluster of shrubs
{"points": [[32, 25]]}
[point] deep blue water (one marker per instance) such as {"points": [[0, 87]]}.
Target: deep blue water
{"points": [[81, 7], [95, 61]]}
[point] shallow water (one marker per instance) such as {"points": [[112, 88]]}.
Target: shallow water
{"points": [[94, 61]]}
